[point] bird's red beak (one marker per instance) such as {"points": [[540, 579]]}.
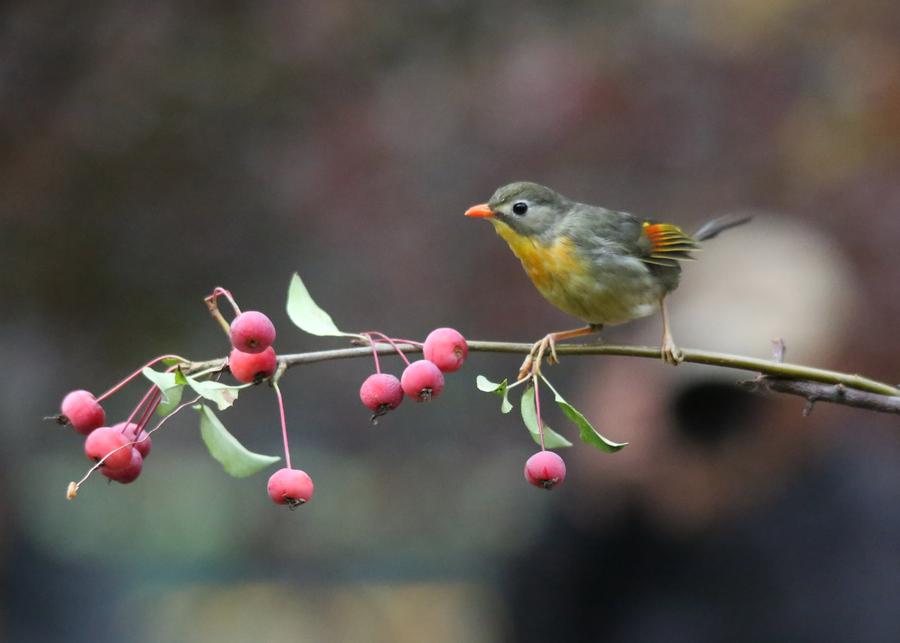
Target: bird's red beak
{"points": [[481, 210]]}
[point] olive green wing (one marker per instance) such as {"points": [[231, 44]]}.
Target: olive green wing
{"points": [[656, 244]]}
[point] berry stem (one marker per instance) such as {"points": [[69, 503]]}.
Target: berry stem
{"points": [[518, 382], [537, 408], [284, 436], [147, 413], [218, 291], [389, 341], [155, 360], [173, 413], [150, 392], [207, 371], [408, 341], [213, 306], [374, 354]]}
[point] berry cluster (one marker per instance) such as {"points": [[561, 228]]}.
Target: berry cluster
{"points": [[118, 450], [252, 333], [444, 350], [252, 360]]}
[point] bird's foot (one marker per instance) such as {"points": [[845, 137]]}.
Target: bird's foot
{"points": [[529, 365], [532, 364], [670, 353], [552, 358]]}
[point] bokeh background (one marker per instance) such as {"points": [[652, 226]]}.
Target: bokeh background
{"points": [[152, 150]]}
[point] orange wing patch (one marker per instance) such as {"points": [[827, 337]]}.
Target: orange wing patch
{"points": [[669, 244]]}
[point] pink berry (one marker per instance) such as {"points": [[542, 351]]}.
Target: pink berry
{"points": [[381, 392], [422, 381], [290, 487], [446, 348], [252, 332], [129, 472], [545, 469], [252, 367], [82, 411], [142, 442], [107, 440]]}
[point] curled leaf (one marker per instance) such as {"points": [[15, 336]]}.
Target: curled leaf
{"points": [[223, 395], [225, 448], [587, 432], [501, 389]]}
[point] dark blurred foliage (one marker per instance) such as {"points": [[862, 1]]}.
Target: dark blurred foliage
{"points": [[152, 150]]}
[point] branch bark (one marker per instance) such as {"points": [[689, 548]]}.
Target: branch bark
{"points": [[814, 384], [818, 392]]}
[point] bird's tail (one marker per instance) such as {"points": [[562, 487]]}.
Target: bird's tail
{"points": [[714, 227]]}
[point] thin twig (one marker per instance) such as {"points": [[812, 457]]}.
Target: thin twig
{"points": [[783, 371], [213, 306]]}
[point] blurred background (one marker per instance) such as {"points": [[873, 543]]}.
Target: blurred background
{"points": [[150, 151]]}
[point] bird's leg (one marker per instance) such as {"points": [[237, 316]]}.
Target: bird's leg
{"points": [[552, 338], [670, 353], [532, 363]]}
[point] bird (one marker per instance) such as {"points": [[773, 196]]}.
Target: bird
{"points": [[602, 266]]}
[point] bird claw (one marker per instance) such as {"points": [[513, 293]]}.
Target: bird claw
{"points": [[532, 364], [670, 353], [525, 369], [552, 358]]}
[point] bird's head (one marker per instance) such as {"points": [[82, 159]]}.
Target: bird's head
{"points": [[526, 208]]}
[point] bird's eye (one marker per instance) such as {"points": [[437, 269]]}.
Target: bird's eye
{"points": [[520, 208]]}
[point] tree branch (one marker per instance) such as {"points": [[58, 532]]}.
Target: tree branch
{"points": [[814, 384], [818, 392]]}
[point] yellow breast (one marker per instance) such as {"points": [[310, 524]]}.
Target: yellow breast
{"points": [[550, 267], [611, 294]]}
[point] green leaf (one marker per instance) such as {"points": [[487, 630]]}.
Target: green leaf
{"points": [[179, 377], [174, 399], [224, 447], [169, 386], [222, 394], [587, 432], [552, 439], [171, 361], [305, 312], [486, 385], [501, 389]]}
